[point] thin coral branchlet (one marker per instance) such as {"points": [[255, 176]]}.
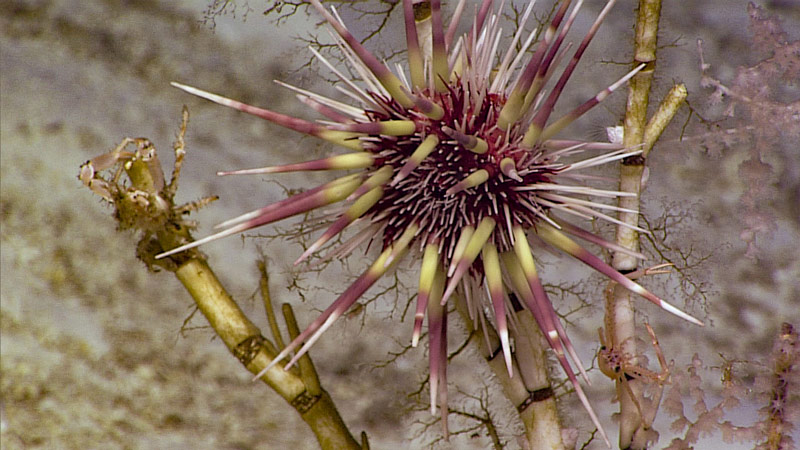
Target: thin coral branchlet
{"points": [[455, 163]]}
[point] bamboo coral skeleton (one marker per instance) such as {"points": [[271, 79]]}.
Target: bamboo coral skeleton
{"points": [[455, 164]]}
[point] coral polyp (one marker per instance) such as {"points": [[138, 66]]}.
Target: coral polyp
{"points": [[455, 163]]}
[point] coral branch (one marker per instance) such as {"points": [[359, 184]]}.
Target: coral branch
{"points": [[529, 389], [150, 202], [637, 134]]}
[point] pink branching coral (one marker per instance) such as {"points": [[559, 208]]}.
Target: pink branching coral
{"points": [[456, 164], [774, 385], [759, 119]]}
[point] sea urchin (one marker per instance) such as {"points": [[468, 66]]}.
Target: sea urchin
{"points": [[456, 163]]}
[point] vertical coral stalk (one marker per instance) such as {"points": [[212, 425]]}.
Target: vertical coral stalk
{"points": [[637, 134], [785, 360], [621, 308]]}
